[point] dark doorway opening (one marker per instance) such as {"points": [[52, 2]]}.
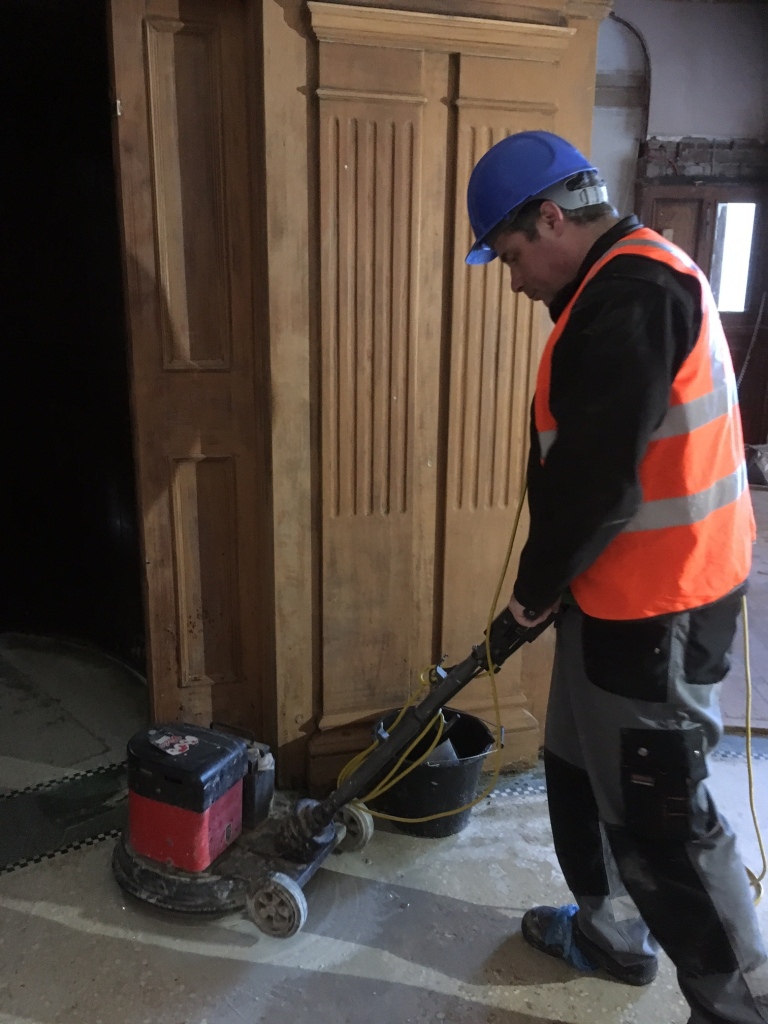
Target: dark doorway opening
{"points": [[69, 547]]}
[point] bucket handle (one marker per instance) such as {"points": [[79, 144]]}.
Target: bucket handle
{"points": [[492, 729]]}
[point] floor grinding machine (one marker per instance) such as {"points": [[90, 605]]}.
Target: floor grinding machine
{"points": [[203, 837]]}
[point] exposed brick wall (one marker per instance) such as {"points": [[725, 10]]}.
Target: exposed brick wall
{"points": [[718, 159]]}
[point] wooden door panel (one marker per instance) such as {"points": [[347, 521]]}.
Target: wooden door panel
{"points": [[184, 162], [183, 58], [373, 148], [496, 337], [203, 502], [681, 221]]}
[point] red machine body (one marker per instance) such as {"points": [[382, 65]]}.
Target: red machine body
{"points": [[185, 794]]}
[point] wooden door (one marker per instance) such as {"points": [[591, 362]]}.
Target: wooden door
{"points": [[381, 306], [426, 365], [199, 406]]}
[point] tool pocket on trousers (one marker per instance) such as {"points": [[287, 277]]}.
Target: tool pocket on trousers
{"points": [[630, 659], [660, 774]]}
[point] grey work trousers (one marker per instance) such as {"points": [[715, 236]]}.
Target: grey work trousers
{"points": [[633, 714]]}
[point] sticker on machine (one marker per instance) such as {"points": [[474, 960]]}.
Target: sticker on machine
{"points": [[173, 744]]}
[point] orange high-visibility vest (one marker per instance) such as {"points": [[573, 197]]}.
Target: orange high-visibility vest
{"points": [[690, 542]]}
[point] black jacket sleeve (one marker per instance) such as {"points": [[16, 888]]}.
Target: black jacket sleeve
{"points": [[612, 371]]}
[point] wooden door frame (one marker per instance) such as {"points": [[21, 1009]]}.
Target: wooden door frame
{"points": [[291, 147], [738, 326]]}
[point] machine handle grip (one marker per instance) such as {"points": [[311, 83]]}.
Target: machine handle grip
{"points": [[507, 636]]}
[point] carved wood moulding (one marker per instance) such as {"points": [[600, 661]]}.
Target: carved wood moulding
{"points": [[438, 33], [541, 12]]}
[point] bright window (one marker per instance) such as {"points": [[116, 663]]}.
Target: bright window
{"points": [[731, 255]]}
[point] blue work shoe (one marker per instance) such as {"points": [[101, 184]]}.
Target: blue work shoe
{"points": [[555, 931]]}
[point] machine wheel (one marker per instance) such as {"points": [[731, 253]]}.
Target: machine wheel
{"points": [[279, 909], [359, 825]]}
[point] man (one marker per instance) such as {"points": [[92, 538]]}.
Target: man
{"points": [[642, 527]]}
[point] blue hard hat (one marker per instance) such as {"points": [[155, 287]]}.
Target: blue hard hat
{"points": [[514, 171]]}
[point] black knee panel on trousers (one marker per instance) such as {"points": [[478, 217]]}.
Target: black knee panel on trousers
{"points": [[575, 827], [668, 892], [665, 809]]}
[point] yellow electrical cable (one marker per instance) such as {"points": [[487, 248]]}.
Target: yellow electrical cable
{"points": [[392, 779], [358, 759], [756, 881]]}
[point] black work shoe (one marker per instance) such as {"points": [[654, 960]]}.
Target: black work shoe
{"points": [[555, 931]]}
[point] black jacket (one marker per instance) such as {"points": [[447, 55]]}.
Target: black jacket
{"points": [[612, 369]]}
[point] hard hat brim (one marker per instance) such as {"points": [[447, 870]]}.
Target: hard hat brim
{"points": [[479, 254]]}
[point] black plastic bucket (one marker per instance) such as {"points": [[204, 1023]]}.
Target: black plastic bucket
{"points": [[448, 779]]}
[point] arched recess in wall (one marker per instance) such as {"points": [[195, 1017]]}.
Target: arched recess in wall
{"points": [[622, 99]]}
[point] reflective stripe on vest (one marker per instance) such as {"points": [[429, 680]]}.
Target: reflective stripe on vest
{"points": [[679, 550], [655, 515], [546, 440], [681, 419]]}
